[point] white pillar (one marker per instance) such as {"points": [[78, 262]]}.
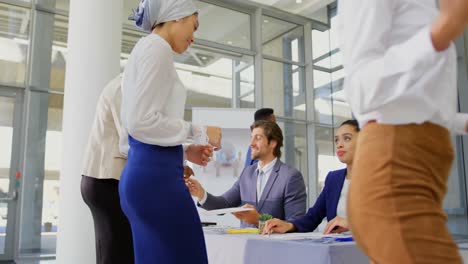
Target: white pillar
{"points": [[94, 44]]}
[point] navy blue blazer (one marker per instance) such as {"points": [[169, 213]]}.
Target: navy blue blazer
{"points": [[326, 203]]}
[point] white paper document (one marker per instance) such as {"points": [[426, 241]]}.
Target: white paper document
{"points": [[225, 211], [311, 235]]}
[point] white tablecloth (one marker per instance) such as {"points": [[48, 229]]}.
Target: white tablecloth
{"points": [[255, 249]]}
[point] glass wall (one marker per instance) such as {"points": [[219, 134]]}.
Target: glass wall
{"points": [[331, 109], [14, 43], [224, 26], [228, 66]]}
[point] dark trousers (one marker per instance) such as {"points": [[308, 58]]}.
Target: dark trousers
{"points": [[114, 243]]}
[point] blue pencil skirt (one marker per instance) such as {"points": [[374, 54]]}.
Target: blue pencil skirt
{"points": [[165, 224]]}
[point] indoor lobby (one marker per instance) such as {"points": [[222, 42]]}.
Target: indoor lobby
{"points": [[56, 56]]}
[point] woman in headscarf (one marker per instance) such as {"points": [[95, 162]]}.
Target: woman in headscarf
{"points": [[165, 224]]}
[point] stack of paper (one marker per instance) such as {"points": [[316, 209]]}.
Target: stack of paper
{"points": [[311, 236], [226, 211]]}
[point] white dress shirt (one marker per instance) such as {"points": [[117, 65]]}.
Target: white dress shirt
{"points": [[103, 159], [153, 97], [261, 182], [341, 208], [393, 73]]}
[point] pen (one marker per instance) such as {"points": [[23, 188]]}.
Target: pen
{"points": [[344, 239], [269, 232], [340, 239]]}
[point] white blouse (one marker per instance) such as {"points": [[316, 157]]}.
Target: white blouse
{"points": [[341, 208], [393, 73], [153, 97]]}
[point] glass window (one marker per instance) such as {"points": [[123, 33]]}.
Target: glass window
{"points": [[14, 44], [327, 160], [208, 77], [330, 104], [128, 6], [333, 32], [282, 39], [63, 5], [52, 164], [217, 24], [6, 141], [247, 89], [330, 62], [59, 53], [331, 107], [284, 89], [316, 10], [294, 151], [223, 26], [454, 202], [320, 44]]}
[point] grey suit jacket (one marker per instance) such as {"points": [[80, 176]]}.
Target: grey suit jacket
{"points": [[284, 196]]}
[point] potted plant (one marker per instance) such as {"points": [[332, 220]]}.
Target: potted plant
{"points": [[262, 220]]}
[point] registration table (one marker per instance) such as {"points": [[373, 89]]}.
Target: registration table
{"points": [[256, 249]]}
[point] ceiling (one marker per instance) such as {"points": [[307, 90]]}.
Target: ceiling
{"points": [[306, 8]]}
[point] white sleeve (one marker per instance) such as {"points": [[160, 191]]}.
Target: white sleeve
{"points": [[154, 84], [203, 200], [459, 123], [370, 64], [115, 105]]}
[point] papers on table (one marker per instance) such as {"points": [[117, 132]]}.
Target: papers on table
{"points": [[294, 236], [226, 211], [229, 230], [320, 237]]}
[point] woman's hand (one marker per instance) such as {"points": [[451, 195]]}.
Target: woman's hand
{"points": [[188, 172], [336, 225], [276, 225], [199, 154], [214, 136]]}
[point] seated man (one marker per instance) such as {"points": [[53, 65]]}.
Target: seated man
{"points": [[270, 186]]}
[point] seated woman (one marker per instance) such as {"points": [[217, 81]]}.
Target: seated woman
{"points": [[331, 202]]}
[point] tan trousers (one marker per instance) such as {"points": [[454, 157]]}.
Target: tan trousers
{"points": [[399, 181]]}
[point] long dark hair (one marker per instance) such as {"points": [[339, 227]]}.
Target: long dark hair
{"points": [[351, 122]]}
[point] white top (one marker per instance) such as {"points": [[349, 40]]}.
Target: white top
{"points": [[103, 159], [393, 73], [341, 208], [153, 97], [267, 169]]}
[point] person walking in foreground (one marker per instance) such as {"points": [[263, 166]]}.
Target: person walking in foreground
{"points": [[401, 83]]}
